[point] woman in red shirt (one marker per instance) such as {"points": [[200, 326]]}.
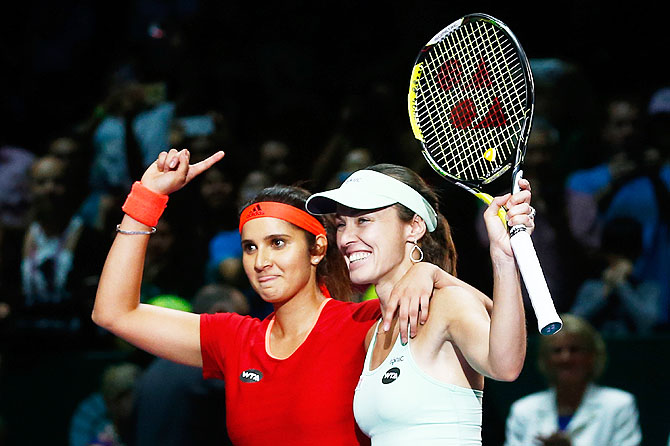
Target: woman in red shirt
{"points": [[290, 378]]}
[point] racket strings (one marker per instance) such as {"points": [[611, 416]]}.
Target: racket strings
{"points": [[439, 114], [471, 100], [471, 51], [472, 165]]}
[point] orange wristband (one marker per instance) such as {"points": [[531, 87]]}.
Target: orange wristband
{"points": [[144, 205]]}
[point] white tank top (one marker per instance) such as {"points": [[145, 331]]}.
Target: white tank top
{"points": [[399, 404]]}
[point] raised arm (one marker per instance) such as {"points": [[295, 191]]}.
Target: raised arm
{"points": [[171, 334], [497, 347]]}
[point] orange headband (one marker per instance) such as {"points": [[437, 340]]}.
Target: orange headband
{"points": [[284, 212]]}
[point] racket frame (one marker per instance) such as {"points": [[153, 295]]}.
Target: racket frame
{"points": [[548, 320]]}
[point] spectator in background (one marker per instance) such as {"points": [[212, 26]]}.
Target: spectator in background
{"points": [[212, 225], [15, 165], [574, 411], [276, 161], [77, 158], [216, 202], [169, 260], [60, 263], [254, 182], [174, 405], [617, 301], [621, 149], [104, 418], [89, 419], [77, 154], [354, 159], [634, 183], [134, 127], [559, 86]]}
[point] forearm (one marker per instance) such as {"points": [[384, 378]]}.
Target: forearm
{"points": [[119, 288], [171, 334], [507, 338]]}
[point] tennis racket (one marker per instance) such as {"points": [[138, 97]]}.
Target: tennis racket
{"points": [[470, 103]]}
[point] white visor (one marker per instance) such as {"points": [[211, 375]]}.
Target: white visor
{"points": [[368, 189]]}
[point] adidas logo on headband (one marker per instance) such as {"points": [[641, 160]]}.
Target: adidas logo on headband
{"points": [[255, 211]]}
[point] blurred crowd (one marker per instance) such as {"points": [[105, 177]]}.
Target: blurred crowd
{"points": [[598, 161]]}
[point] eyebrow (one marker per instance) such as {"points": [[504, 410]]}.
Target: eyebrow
{"points": [[268, 237]]}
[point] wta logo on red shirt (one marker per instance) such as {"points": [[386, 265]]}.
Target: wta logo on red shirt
{"points": [[251, 376]]}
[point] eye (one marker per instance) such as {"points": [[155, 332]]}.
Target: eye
{"points": [[362, 220], [248, 248], [278, 243]]}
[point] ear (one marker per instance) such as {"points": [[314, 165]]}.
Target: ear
{"points": [[318, 251], [417, 229]]}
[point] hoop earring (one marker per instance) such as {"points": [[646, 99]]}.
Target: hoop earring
{"points": [[411, 253]]}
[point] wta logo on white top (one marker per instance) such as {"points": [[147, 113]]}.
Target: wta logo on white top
{"points": [[390, 375]]}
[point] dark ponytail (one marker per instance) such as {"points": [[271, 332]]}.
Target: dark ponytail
{"points": [[332, 270], [437, 246]]}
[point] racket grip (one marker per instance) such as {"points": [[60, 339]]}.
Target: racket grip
{"points": [[548, 321]]}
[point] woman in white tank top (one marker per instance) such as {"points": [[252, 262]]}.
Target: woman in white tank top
{"points": [[427, 387]]}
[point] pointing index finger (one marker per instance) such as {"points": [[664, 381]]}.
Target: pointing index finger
{"points": [[198, 168]]}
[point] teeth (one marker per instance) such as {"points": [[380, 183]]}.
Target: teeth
{"points": [[358, 256]]}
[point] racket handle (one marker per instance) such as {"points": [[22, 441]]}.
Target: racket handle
{"points": [[548, 321]]}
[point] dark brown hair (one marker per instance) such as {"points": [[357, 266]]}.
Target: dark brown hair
{"points": [[332, 270], [437, 246]]}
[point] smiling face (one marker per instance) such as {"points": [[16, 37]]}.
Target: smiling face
{"points": [[277, 259], [374, 244]]}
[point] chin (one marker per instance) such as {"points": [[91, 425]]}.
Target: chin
{"points": [[361, 280]]}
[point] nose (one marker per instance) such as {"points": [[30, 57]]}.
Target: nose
{"points": [[262, 260], [346, 234]]}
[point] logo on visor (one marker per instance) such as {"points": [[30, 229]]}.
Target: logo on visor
{"points": [[254, 211], [391, 375], [251, 376]]}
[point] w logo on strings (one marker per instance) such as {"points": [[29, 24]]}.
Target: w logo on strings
{"points": [[463, 114]]}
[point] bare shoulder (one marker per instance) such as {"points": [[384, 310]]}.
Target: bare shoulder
{"points": [[451, 306]]}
